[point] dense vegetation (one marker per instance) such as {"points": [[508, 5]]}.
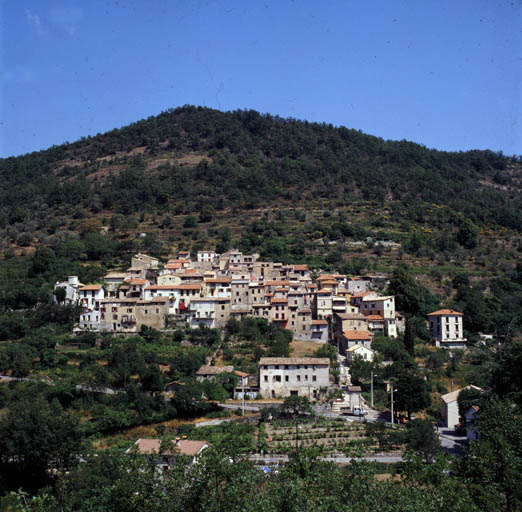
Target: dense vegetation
{"points": [[251, 159], [294, 192]]}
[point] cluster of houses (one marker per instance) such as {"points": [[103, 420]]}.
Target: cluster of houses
{"points": [[214, 288]]}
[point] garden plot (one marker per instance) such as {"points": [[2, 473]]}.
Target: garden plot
{"points": [[331, 437]]}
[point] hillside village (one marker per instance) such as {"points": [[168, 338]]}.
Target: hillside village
{"points": [[214, 288]]}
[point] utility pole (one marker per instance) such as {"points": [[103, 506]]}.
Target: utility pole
{"points": [[392, 403], [371, 389], [389, 387], [243, 397]]}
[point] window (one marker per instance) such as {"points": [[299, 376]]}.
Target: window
{"points": [[314, 378], [299, 378], [286, 378], [266, 378], [306, 377], [276, 378]]}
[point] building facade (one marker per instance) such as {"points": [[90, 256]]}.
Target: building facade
{"points": [[287, 376]]}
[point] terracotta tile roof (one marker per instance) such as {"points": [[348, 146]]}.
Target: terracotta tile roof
{"points": [[137, 281], [319, 322], [183, 447], [161, 287], [240, 374], [172, 266], [277, 283], [445, 312], [279, 301], [357, 335], [359, 294], [294, 360], [188, 286], [375, 317], [324, 290], [218, 280], [90, 287], [300, 267], [325, 282], [351, 316]]}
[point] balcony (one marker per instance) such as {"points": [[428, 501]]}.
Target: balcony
{"points": [[128, 319]]}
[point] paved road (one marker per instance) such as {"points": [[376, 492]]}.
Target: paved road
{"points": [[211, 423], [238, 406], [451, 442], [94, 389]]}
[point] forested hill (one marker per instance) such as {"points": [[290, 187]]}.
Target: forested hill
{"points": [[189, 158]]}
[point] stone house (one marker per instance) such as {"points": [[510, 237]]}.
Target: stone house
{"points": [[209, 372], [145, 262], [287, 376], [319, 330]]}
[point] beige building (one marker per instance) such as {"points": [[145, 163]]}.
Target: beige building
{"points": [[129, 314], [145, 262], [323, 304], [381, 312], [287, 376]]}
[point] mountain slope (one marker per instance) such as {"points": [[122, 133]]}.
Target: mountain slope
{"points": [[191, 156]]}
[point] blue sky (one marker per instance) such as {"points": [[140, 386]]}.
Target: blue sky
{"points": [[446, 74]]}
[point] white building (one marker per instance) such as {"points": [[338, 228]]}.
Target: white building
{"points": [[71, 287], [202, 312], [91, 295], [206, 256], [450, 408], [446, 328], [365, 353], [287, 376], [90, 320]]}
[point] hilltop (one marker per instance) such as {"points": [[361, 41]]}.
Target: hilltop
{"points": [[291, 190]]}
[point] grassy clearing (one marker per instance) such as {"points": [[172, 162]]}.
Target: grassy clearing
{"points": [[300, 348]]}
